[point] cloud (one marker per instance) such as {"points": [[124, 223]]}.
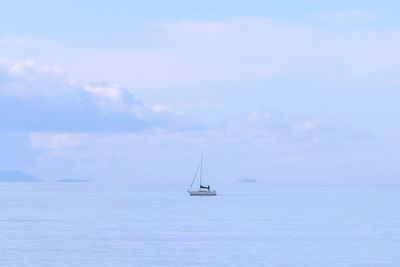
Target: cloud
{"points": [[100, 129], [162, 108], [30, 68], [37, 97], [309, 125], [188, 52], [252, 129], [103, 91], [56, 140], [268, 144], [30, 79], [268, 127], [254, 48], [245, 49]]}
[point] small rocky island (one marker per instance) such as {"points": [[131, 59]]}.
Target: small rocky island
{"points": [[17, 176], [72, 181], [245, 180]]}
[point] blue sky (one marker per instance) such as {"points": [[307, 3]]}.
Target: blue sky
{"points": [[124, 90]]}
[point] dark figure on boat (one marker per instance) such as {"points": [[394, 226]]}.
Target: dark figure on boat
{"points": [[205, 187]]}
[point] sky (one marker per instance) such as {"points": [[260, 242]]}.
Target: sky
{"points": [[137, 90]]}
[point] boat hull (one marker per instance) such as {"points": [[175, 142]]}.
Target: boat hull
{"points": [[202, 193]]}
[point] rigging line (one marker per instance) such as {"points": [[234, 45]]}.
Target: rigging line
{"points": [[198, 167]]}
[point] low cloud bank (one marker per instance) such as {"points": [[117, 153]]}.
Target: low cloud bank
{"points": [[36, 97]]}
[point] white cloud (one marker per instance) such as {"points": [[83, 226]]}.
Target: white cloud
{"points": [[109, 92], [118, 129], [239, 50], [29, 78], [308, 125], [265, 145], [30, 67], [56, 140], [189, 52], [270, 126], [256, 116], [37, 98], [162, 108]]}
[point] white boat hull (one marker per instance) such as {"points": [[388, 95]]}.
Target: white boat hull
{"points": [[202, 193]]}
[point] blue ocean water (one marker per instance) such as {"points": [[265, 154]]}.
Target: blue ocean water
{"points": [[248, 224]]}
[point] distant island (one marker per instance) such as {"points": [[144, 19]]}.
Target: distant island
{"points": [[72, 181], [248, 180], [17, 176]]}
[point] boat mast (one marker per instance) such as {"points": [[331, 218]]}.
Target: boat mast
{"points": [[201, 168]]}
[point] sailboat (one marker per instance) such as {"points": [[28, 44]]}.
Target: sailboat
{"points": [[203, 190]]}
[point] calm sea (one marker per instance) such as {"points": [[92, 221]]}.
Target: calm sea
{"points": [[248, 224]]}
